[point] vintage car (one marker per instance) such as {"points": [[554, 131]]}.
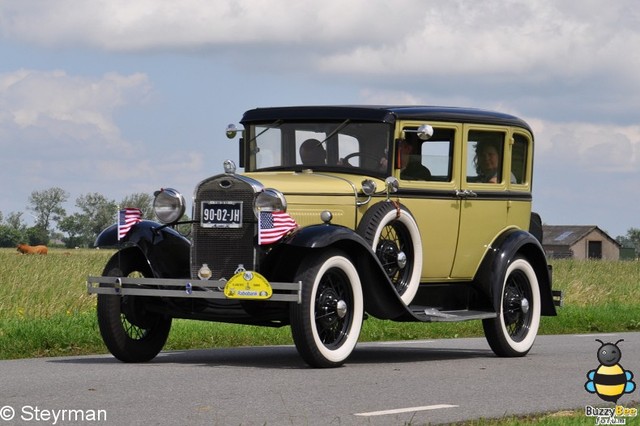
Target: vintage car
{"points": [[402, 213]]}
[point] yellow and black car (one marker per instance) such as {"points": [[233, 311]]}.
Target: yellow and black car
{"points": [[403, 213]]}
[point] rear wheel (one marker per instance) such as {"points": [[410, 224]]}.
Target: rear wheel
{"points": [[326, 325], [513, 332], [130, 332]]}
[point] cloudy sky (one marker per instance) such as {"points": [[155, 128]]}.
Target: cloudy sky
{"points": [[120, 96]]}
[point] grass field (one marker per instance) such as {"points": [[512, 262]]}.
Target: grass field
{"points": [[46, 311]]}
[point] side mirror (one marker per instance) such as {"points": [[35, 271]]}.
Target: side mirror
{"points": [[231, 131], [425, 132]]}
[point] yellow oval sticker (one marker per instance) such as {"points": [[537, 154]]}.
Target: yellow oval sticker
{"points": [[248, 285]]}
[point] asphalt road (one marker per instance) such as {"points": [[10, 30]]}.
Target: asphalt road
{"points": [[411, 382]]}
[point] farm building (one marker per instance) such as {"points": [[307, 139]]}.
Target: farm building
{"points": [[579, 242]]}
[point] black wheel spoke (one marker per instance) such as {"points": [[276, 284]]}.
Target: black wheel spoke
{"points": [[516, 319], [331, 328]]}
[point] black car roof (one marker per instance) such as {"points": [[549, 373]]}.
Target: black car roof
{"points": [[383, 113]]}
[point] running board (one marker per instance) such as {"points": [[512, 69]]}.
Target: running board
{"points": [[429, 314]]}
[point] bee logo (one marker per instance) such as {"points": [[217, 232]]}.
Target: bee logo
{"points": [[609, 381]]}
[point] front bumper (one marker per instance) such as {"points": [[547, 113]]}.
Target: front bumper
{"points": [[185, 288]]}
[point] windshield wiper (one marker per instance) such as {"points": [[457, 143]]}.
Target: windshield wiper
{"points": [[337, 129], [268, 127]]}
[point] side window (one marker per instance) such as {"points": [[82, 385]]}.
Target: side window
{"points": [[519, 158], [437, 154], [429, 160], [484, 156]]}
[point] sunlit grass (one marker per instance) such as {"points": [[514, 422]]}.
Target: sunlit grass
{"points": [[39, 286], [45, 309]]}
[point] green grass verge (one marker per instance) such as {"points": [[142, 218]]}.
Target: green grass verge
{"points": [[46, 311]]}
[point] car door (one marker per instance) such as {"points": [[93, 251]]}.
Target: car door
{"points": [[483, 195], [433, 201]]}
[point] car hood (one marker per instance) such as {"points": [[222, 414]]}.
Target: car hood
{"points": [[308, 194], [312, 183]]}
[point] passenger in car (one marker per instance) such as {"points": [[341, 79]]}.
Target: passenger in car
{"points": [[410, 165], [312, 153], [488, 160]]}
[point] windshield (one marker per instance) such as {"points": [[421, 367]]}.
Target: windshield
{"points": [[346, 146]]}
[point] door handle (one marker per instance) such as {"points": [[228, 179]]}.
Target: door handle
{"points": [[465, 194]]}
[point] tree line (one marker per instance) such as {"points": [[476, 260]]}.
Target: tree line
{"points": [[96, 212], [53, 226]]}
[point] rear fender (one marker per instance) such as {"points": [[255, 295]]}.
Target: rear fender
{"points": [[503, 250], [167, 252]]}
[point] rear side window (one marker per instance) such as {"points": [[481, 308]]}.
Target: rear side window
{"points": [[519, 158]]}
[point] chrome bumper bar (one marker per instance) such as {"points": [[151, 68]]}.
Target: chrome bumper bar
{"points": [[171, 287]]}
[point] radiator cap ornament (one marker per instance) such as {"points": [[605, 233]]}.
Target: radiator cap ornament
{"points": [[229, 167]]}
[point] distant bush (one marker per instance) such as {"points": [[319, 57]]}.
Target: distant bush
{"points": [[10, 237]]}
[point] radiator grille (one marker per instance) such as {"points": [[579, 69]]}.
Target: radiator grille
{"points": [[223, 249]]}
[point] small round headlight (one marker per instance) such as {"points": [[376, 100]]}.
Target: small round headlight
{"points": [[169, 205], [368, 187], [270, 200]]}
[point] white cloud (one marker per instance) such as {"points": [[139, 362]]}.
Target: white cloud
{"points": [[359, 36], [65, 109], [589, 147], [567, 67], [55, 127], [156, 24]]}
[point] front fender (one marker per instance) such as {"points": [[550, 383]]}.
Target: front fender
{"points": [[165, 249], [504, 249], [319, 236]]}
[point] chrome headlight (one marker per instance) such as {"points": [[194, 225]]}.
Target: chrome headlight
{"points": [[168, 205], [270, 200]]}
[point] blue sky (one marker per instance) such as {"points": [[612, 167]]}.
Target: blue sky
{"points": [[119, 96]]}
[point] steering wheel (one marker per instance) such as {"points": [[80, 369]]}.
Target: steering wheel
{"points": [[358, 154]]}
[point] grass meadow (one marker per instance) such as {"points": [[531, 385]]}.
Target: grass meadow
{"points": [[45, 309]]}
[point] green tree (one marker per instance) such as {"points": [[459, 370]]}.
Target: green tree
{"points": [[47, 206], [76, 230], [14, 220], [633, 236], [140, 200], [10, 237], [37, 235], [96, 213]]}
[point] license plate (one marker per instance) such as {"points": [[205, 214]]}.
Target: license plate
{"points": [[221, 214]]}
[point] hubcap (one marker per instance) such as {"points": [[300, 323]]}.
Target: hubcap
{"points": [[524, 305], [341, 308], [402, 260]]}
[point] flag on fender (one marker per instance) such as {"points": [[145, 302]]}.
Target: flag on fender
{"points": [[127, 217], [274, 225]]}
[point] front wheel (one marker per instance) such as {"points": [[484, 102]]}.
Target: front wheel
{"points": [[130, 332], [326, 324], [513, 332]]}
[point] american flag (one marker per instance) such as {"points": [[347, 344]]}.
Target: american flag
{"points": [[273, 226], [126, 219]]}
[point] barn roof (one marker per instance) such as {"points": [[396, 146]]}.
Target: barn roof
{"points": [[568, 235]]}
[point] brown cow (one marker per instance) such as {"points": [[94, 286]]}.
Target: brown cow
{"points": [[27, 249]]}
